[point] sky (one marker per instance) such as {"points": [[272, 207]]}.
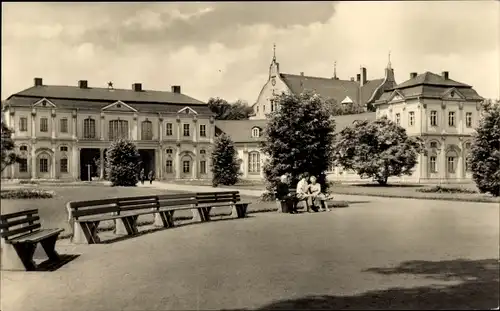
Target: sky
{"points": [[224, 49]]}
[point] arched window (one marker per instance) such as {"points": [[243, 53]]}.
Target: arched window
{"points": [[147, 130], [118, 129], [43, 163], [23, 148], [451, 162], [63, 148], [254, 162], [255, 132], [169, 151], [89, 128]]}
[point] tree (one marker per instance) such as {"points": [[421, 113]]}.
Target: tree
{"points": [[298, 139], [225, 162], [9, 157], [484, 158], [377, 149], [123, 163], [226, 111]]}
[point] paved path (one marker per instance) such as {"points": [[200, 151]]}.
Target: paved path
{"points": [[385, 253]]}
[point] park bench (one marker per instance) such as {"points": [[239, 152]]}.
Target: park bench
{"points": [[21, 232], [205, 201], [86, 215], [296, 201]]}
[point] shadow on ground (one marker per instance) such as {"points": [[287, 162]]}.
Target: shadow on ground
{"points": [[478, 289], [152, 230], [48, 266]]}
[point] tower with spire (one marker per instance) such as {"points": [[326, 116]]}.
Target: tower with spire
{"points": [[274, 68]]}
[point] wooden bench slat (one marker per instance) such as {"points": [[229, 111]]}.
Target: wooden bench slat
{"points": [[18, 214], [139, 198], [78, 204], [36, 236], [94, 211], [176, 196], [6, 234], [138, 202], [19, 222], [139, 206], [177, 202]]}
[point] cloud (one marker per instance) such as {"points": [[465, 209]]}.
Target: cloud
{"points": [[224, 49]]}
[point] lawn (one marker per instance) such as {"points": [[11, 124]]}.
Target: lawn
{"points": [[53, 212], [373, 189]]}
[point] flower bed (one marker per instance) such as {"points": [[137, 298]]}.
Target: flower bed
{"points": [[17, 194]]}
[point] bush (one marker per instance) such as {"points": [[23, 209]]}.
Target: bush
{"points": [[225, 162], [267, 196], [28, 182], [26, 194], [484, 158], [440, 189], [122, 166]]}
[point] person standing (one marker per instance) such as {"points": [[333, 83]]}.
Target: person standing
{"points": [[284, 197], [151, 177], [142, 176]]}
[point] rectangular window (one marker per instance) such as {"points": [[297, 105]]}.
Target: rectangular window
{"points": [[186, 129], [185, 166], [203, 131], [398, 118], [44, 125], [411, 118], [89, 128], [44, 165], [451, 165], [23, 124], [432, 165], [468, 119], [64, 165], [146, 130], [203, 167], [451, 118], [169, 167], [63, 124], [118, 129], [433, 118], [169, 131], [254, 162], [23, 165]]}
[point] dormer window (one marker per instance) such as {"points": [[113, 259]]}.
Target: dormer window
{"points": [[255, 132]]}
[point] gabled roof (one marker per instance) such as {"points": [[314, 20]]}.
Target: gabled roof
{"points": [[113, 95], [240, 131], [18, 101], [430, 91], [331, 88], [431, 79]]}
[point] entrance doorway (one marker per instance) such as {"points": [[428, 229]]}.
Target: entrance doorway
{"points": [[88, 157], [148, 160]]}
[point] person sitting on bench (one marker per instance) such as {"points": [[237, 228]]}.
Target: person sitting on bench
{"points": [[316, 198], [302, 193], [283, 195]]}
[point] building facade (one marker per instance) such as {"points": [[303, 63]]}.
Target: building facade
{"points": [[62, 132], [441, 111], [361, 92]]}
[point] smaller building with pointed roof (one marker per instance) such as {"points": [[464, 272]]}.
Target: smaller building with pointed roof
{"points": [[360, 91]]}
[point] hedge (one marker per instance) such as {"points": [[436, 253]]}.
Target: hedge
{"points": [[26, 194]]}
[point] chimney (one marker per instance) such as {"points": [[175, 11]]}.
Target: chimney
{"points": [[302, 73], [445, 75], [352, 78], [176, 89], [137, 87], [364, 78], [82, 84], [358, 77], [413, 75], [38, 82]]}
